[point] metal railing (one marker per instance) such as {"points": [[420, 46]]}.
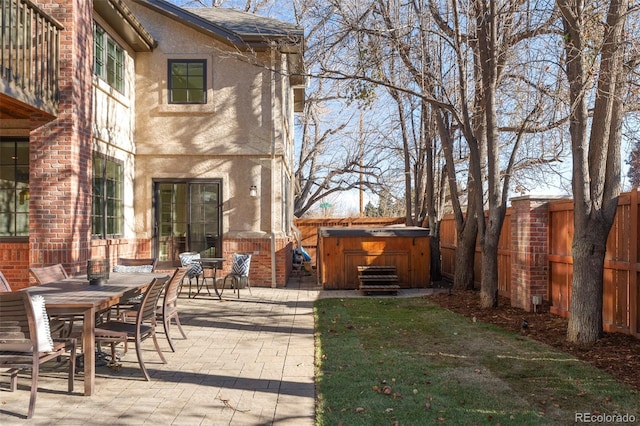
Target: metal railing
{"points": [[29, 52]]}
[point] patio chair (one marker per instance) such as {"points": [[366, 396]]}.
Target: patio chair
{"points": [[46, 274], [195, 268], [239, 276], [169, 306], [116, 331], [25, 340], [127, 266], [135, 265]]}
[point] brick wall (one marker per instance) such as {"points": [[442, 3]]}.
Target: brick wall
{"points": [[14, 263], [60, 152]]}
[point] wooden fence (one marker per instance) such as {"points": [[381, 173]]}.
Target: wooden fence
{"points": [[546, 250]]}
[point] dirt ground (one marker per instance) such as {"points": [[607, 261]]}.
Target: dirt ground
{"points": [[618, 354]]}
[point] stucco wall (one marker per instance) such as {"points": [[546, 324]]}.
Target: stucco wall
{"points": [[237, 136]]}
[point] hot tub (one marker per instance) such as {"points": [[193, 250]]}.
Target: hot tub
{"points": [[341, 250]]}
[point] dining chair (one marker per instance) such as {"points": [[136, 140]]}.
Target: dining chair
{"points": [[170, 304], [47, 274], [135, 265], [26, 342], [131, 265], [239, 276], [118, 331], [195, 268]]}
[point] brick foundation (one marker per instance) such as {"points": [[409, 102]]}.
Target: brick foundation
{"points": [[260, 250]]}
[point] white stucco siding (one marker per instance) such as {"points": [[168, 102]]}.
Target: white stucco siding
{"points": [[237, 116], [241, 135]]}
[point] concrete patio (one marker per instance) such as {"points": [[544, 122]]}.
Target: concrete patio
{"points": [[247, 361]]}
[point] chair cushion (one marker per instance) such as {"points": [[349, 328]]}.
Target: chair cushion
{"points": [[188, 259], [241, 264], [133, 269], [45, 342], [196, 269]]}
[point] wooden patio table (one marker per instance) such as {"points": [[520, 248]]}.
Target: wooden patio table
{"points": [[74, 296]]}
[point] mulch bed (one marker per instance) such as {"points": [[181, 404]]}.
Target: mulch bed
{"points": [[616, 353]]}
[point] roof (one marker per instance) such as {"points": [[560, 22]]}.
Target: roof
{"points": [[118, 15], [246, 32], [248, 25], [230, 26]]}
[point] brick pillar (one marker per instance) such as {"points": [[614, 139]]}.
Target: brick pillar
{"points": [[260, 250], [60, 152], [529, 250]]}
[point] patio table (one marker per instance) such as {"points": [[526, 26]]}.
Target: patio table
{"points": [[74, 296], [212, 263]]}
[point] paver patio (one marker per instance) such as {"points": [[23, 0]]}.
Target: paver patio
{"points": [[247, 361]]}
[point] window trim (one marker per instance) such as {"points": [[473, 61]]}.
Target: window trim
{"points": [[103, 217], [103, 44], [170, 88], [22, 194]]}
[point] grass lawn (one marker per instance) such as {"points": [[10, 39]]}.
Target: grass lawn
{"points": [[385, 361]]}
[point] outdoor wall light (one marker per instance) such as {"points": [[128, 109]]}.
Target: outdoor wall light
{"points": [[24, 195], [253, 191]]}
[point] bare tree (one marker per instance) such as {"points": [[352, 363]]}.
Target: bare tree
{"points": [[594, 41], [333, 156]]}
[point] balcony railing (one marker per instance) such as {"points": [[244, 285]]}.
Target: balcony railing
{"points": [[30, 54]]}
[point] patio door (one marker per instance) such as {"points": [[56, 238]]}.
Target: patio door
{"points": [[188, 218]]}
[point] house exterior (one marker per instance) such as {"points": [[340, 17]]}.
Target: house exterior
{"points": [[171, 130]]}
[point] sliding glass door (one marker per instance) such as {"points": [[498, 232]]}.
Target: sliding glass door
{"points": [[188, 218]]}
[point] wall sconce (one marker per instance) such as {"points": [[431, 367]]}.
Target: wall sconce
{"points": [[253, 191], [24, 195]]}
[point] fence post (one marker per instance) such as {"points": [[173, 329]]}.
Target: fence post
{"points": [[529, 251]]}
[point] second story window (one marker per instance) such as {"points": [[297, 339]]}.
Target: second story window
{"points": [[187, 82], [108, 59]]}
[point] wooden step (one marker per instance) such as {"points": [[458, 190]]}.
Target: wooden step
{"points": [[388, 288], [378, 277]]}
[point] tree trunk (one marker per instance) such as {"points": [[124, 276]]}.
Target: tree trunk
{"points": [[464, 275], [585, 323], [436, 257], [489, 288], [489, 280]]}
